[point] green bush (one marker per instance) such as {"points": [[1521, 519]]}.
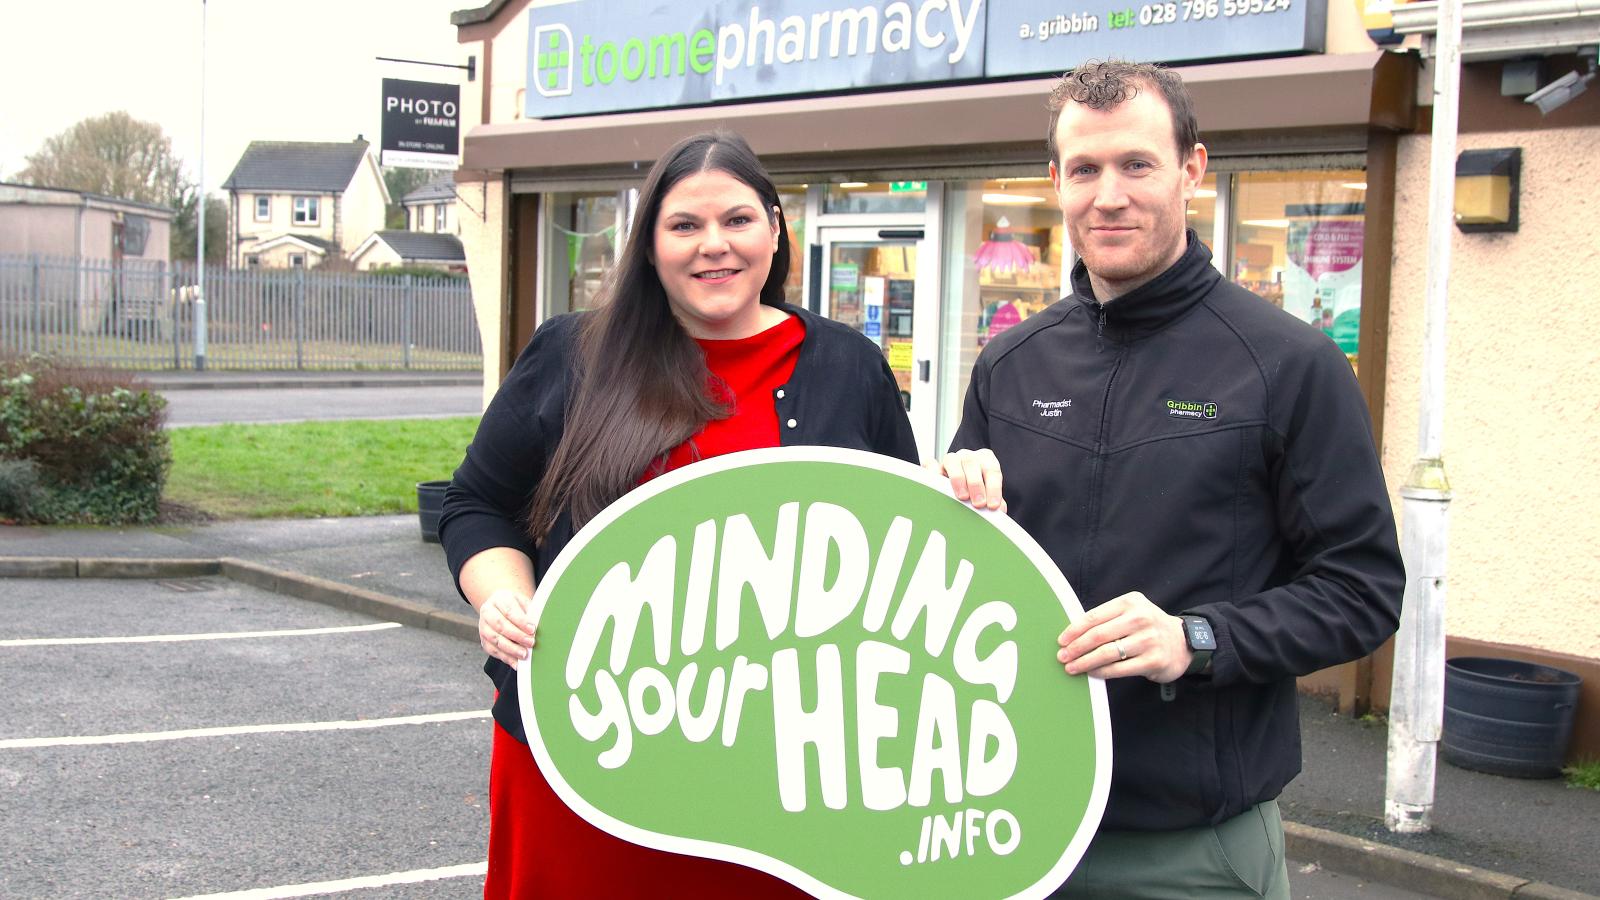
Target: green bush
{"points": [[84, 446]]}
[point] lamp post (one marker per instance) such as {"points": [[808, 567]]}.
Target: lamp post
{"points": [[1416, 706], [200, 240]]}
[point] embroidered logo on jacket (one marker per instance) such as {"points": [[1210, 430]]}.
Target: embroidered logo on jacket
{"points": [[1190, 409], [1050, 409]]}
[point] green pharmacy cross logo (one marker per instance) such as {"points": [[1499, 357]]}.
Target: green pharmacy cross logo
{"points": [[553, 67], [817, 663]]}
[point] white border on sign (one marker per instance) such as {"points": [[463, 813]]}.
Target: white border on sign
{"points": [[414, 159], [741, 855]]}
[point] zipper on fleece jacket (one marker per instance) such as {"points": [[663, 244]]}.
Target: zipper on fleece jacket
{"points": [[1097, 473]]}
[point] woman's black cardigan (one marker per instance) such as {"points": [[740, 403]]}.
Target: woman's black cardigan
{"points": [[842, 394]]}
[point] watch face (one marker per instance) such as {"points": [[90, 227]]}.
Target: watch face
{"points": [[1198, 631]]}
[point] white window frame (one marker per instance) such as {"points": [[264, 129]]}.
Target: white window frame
{"points": [[263, 200], [297, 260], [307, 211], [441, 218]]}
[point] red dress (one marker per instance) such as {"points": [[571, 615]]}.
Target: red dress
{"points": [[540, 848]]}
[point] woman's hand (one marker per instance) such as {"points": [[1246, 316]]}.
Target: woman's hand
{"points": [[504, 629]]}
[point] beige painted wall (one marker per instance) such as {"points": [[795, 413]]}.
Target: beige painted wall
{"points": [[363, 209], [377, 255], [45, 230], [281, 221], [483, 242], [1522, 381]]}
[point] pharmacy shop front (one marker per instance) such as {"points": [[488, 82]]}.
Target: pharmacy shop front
{"points": [[915, 182]]}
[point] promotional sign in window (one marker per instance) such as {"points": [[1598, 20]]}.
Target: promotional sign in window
{"points": [[819, 664], [421, 124], [589, 56]]}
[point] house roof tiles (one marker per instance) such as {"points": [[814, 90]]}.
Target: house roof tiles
{"points": [[443, 188], [422, 245], [297, 166]]}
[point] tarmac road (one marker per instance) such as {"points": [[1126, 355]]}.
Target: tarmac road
{"points": [[298, 404]]}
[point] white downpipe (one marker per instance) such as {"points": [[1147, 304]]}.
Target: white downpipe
{"points": [[1416, 705]]}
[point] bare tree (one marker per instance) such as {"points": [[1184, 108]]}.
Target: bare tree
{"points": [[112, 154]]}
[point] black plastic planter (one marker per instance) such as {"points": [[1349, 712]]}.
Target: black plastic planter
{"points": [[430, 500], [1508, 717]]}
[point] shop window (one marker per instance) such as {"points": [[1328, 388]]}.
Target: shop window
{"points": [[582, 239], [793, 200], [1298, 243], [1203, 212], [876, 197], [1006, 260]]}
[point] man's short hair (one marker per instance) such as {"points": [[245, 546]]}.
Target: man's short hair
{"points": [[1103, 85]]}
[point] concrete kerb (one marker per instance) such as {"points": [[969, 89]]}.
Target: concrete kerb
{"points": [[1329, 849], [1411, 870], [292, 584]]}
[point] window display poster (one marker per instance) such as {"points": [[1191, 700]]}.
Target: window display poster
{"points": [[873, 288], [1323, 282], [818, 663]]}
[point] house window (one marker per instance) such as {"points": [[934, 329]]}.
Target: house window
{"points": [[263, 207], [444, 210], [306, 211], [253, 261], [297, 260]]}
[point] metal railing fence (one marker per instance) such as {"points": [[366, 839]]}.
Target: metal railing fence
{"points": [[140, 314]]}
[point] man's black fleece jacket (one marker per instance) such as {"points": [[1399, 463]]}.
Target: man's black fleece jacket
{"points": [[1190, 441]]}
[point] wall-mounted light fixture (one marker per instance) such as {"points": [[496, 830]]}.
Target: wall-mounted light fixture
{"points": [[1488, 184]]}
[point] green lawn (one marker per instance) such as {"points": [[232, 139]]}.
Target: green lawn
{"points": [[312, 469]]}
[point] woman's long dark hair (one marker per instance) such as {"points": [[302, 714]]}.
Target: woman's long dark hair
{"points": [[641, 381]]}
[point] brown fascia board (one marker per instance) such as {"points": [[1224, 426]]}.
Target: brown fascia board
{"points": [[1272, 94]]}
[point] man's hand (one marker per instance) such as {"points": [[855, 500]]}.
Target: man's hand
{"points": [[974, 477], [504, 629], [1127, 635]]}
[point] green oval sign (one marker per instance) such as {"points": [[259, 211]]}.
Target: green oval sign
{"points": [[820, 664]]}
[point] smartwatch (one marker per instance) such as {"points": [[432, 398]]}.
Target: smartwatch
{"points": [[1202, 642]]}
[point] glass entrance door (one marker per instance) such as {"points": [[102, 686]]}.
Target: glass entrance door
{"points": [[870, 281]]}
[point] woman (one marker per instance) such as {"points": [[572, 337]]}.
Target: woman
{"points": [[691, 354]]}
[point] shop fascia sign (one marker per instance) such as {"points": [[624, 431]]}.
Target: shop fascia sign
{"points": [[589, 56], [819, 664]]}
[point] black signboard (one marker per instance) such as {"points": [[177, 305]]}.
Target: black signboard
{"points": [[421, 124]]}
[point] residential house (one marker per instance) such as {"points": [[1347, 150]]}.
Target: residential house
{"points": [[302, 203], [431, 237], [432, 207]]}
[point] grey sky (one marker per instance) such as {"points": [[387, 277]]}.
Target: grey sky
{"points": [[276, 69]]}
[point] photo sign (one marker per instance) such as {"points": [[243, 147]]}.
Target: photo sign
{"points": [[818, 663], [421, 125]]}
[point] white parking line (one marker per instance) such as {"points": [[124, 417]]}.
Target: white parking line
{"points": [[210, 636], [142, 737], [348, 884]]}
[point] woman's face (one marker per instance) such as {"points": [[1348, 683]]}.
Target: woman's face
{"points": [[712, 249]]}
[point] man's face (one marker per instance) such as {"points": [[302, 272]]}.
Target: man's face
{"points": [[1123, 190]]}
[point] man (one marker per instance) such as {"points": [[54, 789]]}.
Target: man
{"points": [[1210, 489]]}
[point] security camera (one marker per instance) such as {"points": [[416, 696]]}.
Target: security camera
{"points": [[1555, 94]]}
